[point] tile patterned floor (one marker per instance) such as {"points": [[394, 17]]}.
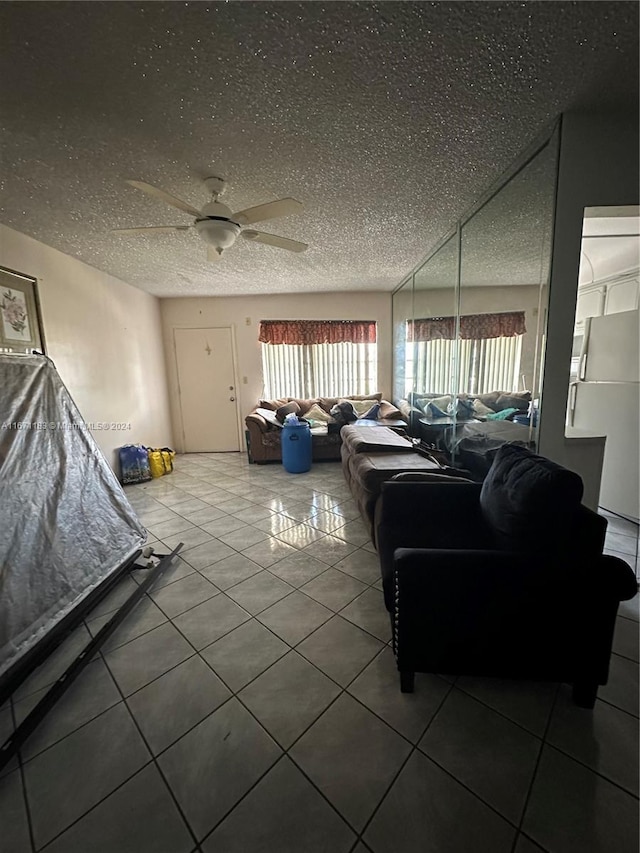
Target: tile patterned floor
{"points": [[251, 703]]}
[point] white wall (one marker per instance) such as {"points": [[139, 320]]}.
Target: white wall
{"points": [[235, 311], [104, 337]]}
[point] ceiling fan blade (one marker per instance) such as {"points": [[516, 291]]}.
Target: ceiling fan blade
{"points": [[157, 228], [213, 255], [274, 240], [270, 210], [166, 197]]}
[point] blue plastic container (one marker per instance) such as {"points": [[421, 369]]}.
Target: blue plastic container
{"points": [[296, 447]]}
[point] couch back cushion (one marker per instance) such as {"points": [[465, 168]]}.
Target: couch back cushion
{"points": [[531, 503], [291, 408], [274, 405], [328, 403], [513, 401]]}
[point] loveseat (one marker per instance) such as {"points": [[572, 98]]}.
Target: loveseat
{"points": [[264, 423], [501, 579]]}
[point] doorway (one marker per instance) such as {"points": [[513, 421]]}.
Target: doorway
{"points": [[605, 379], [207, 389]]}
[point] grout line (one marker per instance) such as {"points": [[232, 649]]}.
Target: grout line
{"points": [[534, 774], [23, 783], [412, 752], [342, 689], [592, 769]]}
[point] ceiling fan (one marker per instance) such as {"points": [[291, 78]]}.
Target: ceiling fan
{"points": [[217, 225]]}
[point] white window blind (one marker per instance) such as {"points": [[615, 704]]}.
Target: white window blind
{"points": [[491, 364], [319, 370]]}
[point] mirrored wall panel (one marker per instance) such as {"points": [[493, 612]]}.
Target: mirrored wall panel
{"points": [[469, 358]]}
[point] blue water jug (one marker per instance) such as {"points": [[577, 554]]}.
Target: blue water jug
{"points": [[296, 447]]}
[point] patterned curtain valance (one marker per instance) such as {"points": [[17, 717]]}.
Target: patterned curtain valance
{"points": [[317, 332], [472, 327]]}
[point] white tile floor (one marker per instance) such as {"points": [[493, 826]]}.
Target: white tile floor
{"points": [[250, 704]]}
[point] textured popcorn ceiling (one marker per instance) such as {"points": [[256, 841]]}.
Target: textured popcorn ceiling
{"points": [[387, 120]]}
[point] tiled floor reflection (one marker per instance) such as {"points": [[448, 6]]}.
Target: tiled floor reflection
{"points": [[250, 704]]}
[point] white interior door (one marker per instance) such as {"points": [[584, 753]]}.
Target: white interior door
{"points": [[206, 380]]}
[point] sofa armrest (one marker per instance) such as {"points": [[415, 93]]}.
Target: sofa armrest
{"points": [[505, 613], [254, 421], [618, 576], [451, 605]]}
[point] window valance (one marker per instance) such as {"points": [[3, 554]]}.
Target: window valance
{"points": [[472, 327], [317, 332]]}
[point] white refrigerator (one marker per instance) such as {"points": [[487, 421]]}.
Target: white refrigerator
{"points": [[605, 399]]}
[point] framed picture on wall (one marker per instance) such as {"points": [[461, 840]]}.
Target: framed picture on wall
{"points": [[20, 325]]}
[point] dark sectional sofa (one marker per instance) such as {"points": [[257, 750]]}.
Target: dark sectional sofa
{"points": [[372, 456]]}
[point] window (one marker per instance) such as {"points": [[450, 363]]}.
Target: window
{"points": [[485, 365], [489, 350], [313, 358]]}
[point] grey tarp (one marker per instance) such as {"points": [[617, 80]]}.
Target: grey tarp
{"points": [[65, 522]]}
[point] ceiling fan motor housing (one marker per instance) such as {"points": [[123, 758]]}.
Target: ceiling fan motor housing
{"points": [[217, 228]]}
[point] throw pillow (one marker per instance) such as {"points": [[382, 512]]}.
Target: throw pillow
{"points": [[463, 409], [287, 409], [389, 412], [530, 501], [317, 413], [372, 414], [273, 405], [441, 403], [359, 406], [480, 410], [436, 409], [504, 415]]}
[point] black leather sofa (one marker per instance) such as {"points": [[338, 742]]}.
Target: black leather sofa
{"points": [[502, 578]]}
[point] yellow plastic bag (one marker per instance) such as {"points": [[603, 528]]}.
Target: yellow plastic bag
{"points": [[167, 459], [160, 460]]}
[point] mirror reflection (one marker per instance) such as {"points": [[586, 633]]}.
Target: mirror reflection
{"points": [[471, 363]]}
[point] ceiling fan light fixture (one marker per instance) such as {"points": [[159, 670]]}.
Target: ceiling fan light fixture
{"points": [[220, 233]]}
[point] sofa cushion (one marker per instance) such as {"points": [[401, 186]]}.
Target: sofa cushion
{"points": [[366, 439], [317, 413], [489, 399], [513, 401], [480, 410], [272, 405], [328, 403], [287, 409], [389, 412], [275, 404], [529, 501]]}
